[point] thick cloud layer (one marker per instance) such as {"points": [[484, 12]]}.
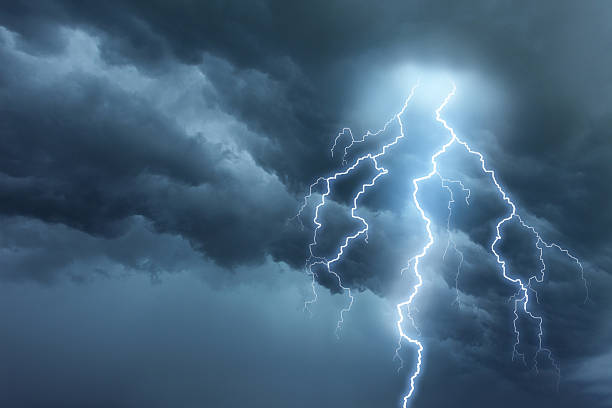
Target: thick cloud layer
{"points": [[179, 136]]}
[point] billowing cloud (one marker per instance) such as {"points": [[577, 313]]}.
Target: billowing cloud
{"points": [[180, 136]]}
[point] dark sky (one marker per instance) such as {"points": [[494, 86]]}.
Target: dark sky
{"points": [[153, 152]]}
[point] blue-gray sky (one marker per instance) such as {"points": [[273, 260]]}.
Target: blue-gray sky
{"points": [[152, 153]]}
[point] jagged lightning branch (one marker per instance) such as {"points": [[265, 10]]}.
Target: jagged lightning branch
{"points": [[314, 260], [521, 298], [523, 288], [416, 261]]}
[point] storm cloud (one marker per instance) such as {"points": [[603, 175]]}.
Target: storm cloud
{"points": [[176, 140]]}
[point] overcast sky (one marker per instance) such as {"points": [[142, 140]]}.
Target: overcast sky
{"points": [[153, 154]]}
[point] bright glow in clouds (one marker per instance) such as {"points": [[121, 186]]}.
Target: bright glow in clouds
{"points": [[521, 299]]}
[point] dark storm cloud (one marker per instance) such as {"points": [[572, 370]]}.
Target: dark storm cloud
{"points": [[306, 54], [34, 250], [83, 152], [296, 61], [100, 162]]}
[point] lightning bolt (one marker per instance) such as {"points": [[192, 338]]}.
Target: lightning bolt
{"points": [[416, 261], [521, 298], [314, 260]]}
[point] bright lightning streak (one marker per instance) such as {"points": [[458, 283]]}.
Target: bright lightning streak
{"points": [[523, 288], [314, 260], [416, 260], [521, 298]]}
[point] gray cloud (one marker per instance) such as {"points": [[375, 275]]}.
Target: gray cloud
{"points": [[171, 137]]}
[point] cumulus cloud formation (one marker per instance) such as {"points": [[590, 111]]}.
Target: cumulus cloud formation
{"points": [[179, 137]]}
